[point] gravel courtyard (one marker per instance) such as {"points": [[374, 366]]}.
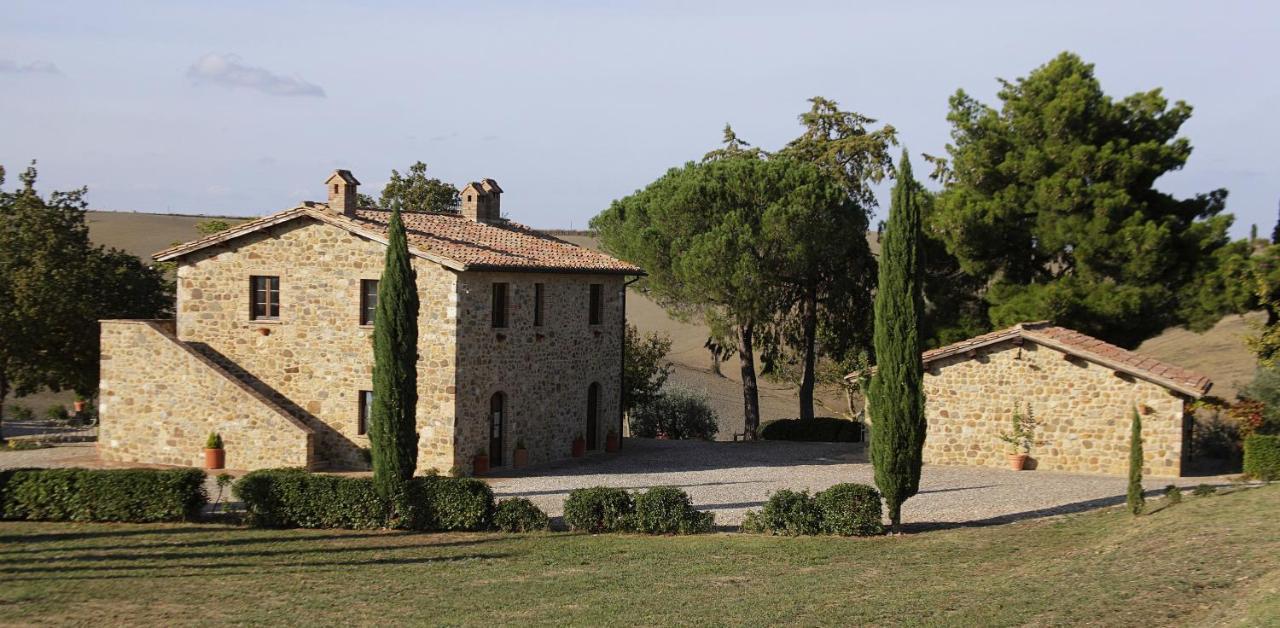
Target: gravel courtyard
{"points": [[731, 478]]}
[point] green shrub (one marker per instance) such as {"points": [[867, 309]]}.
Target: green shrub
{"points": [[1173, 494], [1203, 490], [14, 444], [295, 498], [791, 513], [1262, 457], [125, 495], [679, 413], [520, 515], [20, 413], [57, 413], [449, 504], [214, 441], [818, 429], [850, 510], [668, 510], [599, 509], [753, 523]]}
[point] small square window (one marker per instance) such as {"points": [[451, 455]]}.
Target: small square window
{"points": [[368, 301], [596, 315], [499, 305], [366, 407], [264, 297], [537, 304]]}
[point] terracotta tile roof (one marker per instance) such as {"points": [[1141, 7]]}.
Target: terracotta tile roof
{"points": [[1084, 347], [450, 239]]}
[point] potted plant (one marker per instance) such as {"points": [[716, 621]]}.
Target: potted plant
{"points": [[80, 402], [579, 446], [215, 457], [520, 457], [1021, 437], [480, 464], [611, 441]]}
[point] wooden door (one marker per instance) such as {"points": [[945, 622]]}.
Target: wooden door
{"points": [[496, 420]]}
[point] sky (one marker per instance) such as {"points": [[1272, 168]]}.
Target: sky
{"points": [[244, 108]]}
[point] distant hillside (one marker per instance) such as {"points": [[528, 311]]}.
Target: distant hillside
{"points": [[143, 234], [1220, 353]]}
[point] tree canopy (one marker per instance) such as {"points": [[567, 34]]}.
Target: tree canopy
{"points": [[416, 192]]}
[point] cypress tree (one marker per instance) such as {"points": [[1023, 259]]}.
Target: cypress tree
{"points": [[393, 438], [895, 396], [1136, 501]]}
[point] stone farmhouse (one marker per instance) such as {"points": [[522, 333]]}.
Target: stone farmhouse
{"points": [[521, 340], [1081, 389]]}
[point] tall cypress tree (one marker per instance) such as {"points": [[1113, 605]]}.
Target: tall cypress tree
{"points": [[1136, 500], [895, 396], [393, 438]]}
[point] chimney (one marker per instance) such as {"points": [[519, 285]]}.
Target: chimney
{"points": [[482, 201], [342, 192]]}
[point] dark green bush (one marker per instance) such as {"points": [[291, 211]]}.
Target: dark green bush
{"points": [[599, 509], [19, 412], [295, 498], [1173, 494], [677, 413], [57, 413], [126, 495], [668, 510], [1203, 490], [449, 504], [791, 513], [850, 510], [1262, 457], [818, 429], [520, 515]]}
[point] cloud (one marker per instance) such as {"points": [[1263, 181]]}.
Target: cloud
{"points": [[227, 70], [34, 67]]}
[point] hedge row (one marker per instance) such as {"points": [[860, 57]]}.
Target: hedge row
{"points": [[660, 510], [1262, 457], [123, 495], [843, 509], [295, 498], [818, 429]]}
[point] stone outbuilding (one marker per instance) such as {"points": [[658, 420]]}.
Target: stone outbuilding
{"points": [[520, 341], [1082, 391]]}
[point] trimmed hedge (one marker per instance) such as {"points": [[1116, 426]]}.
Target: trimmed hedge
{"points": [[818, 429], [668, 510], [598, 509], [123, 495], [520, 515], [844, 509], [1262, 457], [295, 498]]}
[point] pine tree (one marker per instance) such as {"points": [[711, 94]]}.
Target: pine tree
{"points": [[1136, 501], [895, 397], [393, 438]]}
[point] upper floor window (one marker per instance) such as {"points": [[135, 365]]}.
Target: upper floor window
{"points": [[596, 315], [366, 408], [368, 300], [537, 304], [499, 305], [264, 297]]}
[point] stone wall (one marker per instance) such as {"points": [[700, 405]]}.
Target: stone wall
{"points": [[543, 372], [317, 355], [159, 400], [1084, 409]]}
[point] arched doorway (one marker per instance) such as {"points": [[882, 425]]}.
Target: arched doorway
{"points": [[497, 416], [593, 415]]}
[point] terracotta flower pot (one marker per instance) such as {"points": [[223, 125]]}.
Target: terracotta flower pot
{"points": [[215, 458], [520, 458], [78, 405], [611, 442], [480, 464], [579, 447], [1017, 461]]}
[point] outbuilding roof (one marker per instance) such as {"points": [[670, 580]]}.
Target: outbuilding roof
{"points": [[1085, 347]]}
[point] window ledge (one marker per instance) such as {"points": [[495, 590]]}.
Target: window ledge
{"points": [[265, 321]]}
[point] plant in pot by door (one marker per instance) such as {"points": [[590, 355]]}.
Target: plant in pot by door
{"points": [[80, 403], [1021, 437], [480, 464], [520, 457], [215, 457], [579, 446], [611, 441]]}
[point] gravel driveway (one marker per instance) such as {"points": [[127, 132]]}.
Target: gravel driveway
{"points": [[731, 478]]}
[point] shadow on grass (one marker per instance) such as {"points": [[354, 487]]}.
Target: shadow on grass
{"points": [[128, 553], [643, 487], [58, 537]]}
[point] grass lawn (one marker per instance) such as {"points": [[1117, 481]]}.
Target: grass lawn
{"points": [[1208, 560]]}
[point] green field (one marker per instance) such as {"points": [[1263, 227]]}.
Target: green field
{"points": [[1208, 561]]}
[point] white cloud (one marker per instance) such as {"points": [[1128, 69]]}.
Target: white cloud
{"points": [[228, 70], [34, 67]]}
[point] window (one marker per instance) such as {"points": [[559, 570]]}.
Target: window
{"points": [[499, 305], [537, 304], [366, 406], [368, 300], [264, 297], [597, 304], [593, 415], [496, 412]]}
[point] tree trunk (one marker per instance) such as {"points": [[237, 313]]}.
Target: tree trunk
{"points": [[895, 518], [750, 393], [809, 315]]}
